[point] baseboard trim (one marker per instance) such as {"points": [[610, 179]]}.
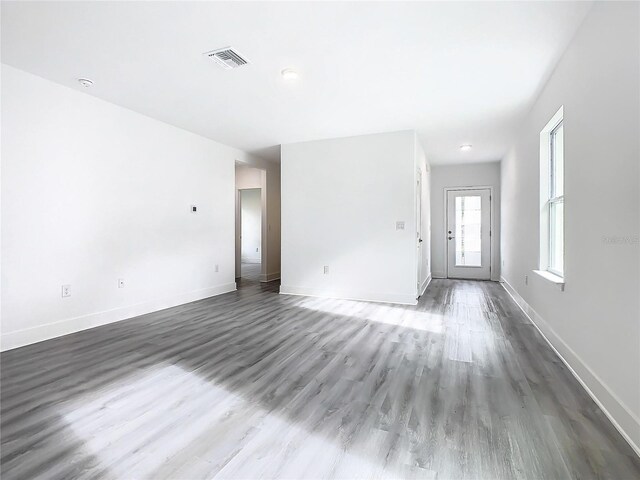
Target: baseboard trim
{"points": [[28, 336], [269, 277], [587, 378], [425, 284], [439, 275], [401, 299]]}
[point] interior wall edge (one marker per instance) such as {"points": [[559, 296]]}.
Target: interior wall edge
{"points": [[270, 277], [425, 284], [616, 411]]}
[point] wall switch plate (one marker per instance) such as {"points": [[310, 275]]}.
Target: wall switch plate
{"points": [[121, 283], [217, 268], [326, 269], [399, 225], [193, 209], [66, 290]]}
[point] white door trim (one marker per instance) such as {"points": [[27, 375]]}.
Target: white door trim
{"points": [[419, 232], [491, 221]]}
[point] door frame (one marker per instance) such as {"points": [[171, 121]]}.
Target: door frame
{"points": [[238, 232], [491, 226], [419, 232]]}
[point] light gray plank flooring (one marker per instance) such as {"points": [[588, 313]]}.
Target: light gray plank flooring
{"points": [[253, 384], [250, 271]]}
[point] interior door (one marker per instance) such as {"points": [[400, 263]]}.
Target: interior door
{"points": [[419, 230], [469, 234]]}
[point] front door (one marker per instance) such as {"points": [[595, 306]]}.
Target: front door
{"points": [[469, 234]]}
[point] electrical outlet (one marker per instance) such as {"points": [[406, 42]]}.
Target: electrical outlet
{"points": [[399, 225], [326, 269], [217, 268], [66, 290], [121, 283]]}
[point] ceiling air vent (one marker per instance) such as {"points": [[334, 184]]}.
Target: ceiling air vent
{"points": [[227, 58]]}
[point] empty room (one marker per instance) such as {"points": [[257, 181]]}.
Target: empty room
{"points": [[320, 240]]}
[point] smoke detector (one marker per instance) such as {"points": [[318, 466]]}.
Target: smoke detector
{"points": [[227, 58]]}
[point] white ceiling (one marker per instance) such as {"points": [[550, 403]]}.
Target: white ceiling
{"points": [[455, 72]]}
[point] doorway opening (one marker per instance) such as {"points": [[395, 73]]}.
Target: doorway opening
{"points": [[251, 223], [250, 200]]}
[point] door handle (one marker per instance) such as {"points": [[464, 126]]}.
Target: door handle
{"points": [[419, 240], [451, 238]]}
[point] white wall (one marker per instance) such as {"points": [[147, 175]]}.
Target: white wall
{"points": [[463, 175], [251, 222], [341, 199], [249, 177], [92, 192], [595, 322]]}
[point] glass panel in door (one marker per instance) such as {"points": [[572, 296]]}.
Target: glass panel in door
{"points": [[468, 235]]}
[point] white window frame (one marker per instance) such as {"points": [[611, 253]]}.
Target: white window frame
{"points": [[548, 198]]}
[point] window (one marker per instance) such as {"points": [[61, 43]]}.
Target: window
{"points": [[468, 237], [552, 196]]}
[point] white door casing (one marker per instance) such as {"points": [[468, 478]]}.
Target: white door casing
{"points": [[468, 233], [418, 231]]}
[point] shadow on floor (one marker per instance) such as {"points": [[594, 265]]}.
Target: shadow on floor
{"points": [[254, 384]]}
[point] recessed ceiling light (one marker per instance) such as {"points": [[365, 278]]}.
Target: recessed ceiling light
{"points": [[465, 147], [289, 74], [85, 82]]}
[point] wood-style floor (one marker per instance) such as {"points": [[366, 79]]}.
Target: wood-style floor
{"points": [[253, 384], [250, 271]]}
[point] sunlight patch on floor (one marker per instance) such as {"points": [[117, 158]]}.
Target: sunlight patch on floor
{"points": [[284, 450], [166, 422], [137, 425], [379, 313]]}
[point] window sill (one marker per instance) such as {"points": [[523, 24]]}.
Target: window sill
{"points": [[550, 277]]}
